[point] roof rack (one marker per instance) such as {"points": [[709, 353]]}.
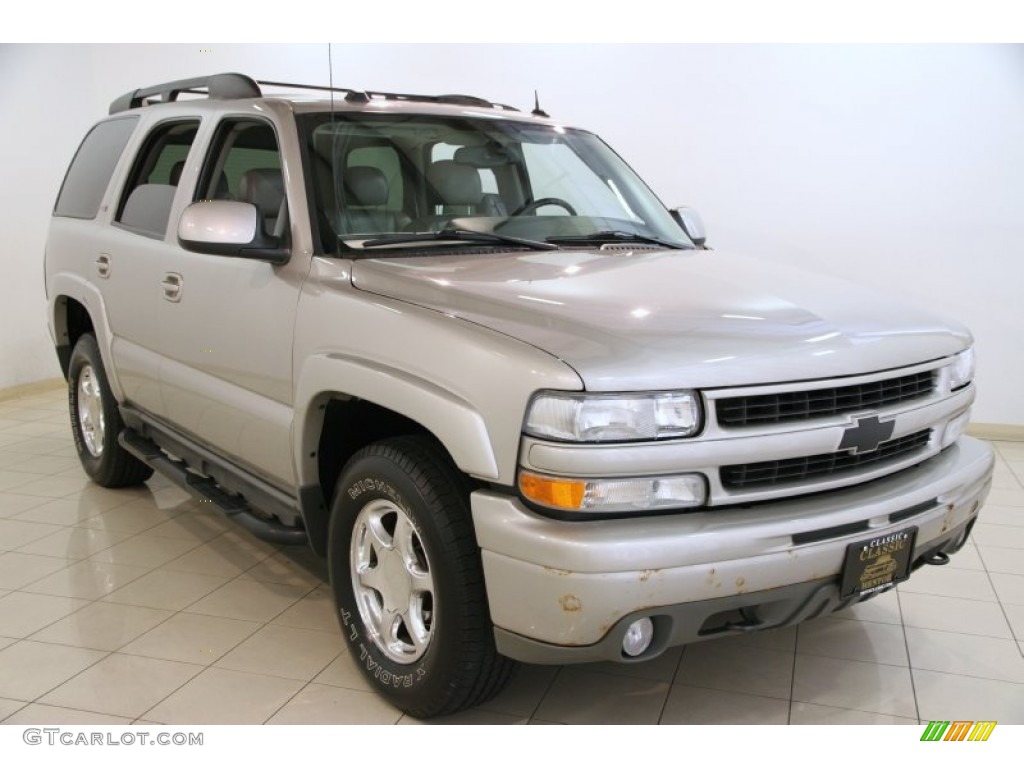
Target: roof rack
{"points": [[358, 96], [230, 85]]}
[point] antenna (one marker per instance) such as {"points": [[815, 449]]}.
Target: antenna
{"points": [[330, 78], [536, 106]]}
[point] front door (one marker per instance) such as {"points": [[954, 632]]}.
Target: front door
{"points": [[226, 333]]}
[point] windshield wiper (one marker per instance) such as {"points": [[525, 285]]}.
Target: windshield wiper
{"points": [[616, 236], [463, 235]]}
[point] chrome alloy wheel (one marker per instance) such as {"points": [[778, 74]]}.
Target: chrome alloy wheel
{"points": [[391, 581], [90, 411]]}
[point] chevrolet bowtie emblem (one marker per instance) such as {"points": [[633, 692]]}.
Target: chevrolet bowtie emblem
{"points": [[866, 435]]}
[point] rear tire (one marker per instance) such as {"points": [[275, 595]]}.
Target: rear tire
{"points": [[96, 421], [407, 580]]}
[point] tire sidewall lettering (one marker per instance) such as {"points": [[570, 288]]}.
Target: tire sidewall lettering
{"points": [[376, 485]]}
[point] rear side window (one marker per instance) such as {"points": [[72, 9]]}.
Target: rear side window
{"points": [[147, 198], [90, 171]]}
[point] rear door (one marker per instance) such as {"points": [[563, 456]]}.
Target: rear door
{"points": [[129, 267]]}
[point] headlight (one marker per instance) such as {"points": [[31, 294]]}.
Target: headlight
{"points": [[585, 418], [621, 494], [961, 371]]}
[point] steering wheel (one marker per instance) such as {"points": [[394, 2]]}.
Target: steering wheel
{"points": [[528, 208]]}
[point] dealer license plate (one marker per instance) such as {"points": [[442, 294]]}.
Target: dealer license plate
{"points": [[877, 563]]}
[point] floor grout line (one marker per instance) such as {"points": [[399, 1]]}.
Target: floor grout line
{"points": [[910, 661]]}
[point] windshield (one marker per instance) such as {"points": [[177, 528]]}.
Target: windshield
{"points": [[379, 179]]}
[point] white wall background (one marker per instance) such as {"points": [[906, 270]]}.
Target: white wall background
{"points": [[900, 167]]}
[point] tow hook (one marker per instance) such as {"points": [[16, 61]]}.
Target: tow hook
{"points": [[936, 558]]}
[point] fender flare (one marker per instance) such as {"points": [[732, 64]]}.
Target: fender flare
{"points": [[455, 422], [65, 285]]}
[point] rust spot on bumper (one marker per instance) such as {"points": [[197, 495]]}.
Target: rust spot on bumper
{"points": [[713, 579], [570, 603]]}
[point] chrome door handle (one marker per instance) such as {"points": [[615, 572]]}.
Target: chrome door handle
{"points": [[172, 286], [103, 265]]}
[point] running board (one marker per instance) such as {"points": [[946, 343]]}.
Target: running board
{"points": [[205, 489]]}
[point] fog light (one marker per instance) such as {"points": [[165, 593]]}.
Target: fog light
{"points": [[955, 429], [638, 637]]}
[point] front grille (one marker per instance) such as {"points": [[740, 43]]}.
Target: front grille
{"points": [[819, 403], [764, 474]]}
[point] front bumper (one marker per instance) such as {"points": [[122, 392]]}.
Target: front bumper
{"points": [[564, 592]]}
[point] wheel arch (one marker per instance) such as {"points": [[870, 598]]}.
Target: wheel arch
{"points": [[70, 320], [76, 307], [377, 403]]}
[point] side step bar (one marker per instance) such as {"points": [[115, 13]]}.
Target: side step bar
{"points": [[232, 505]]}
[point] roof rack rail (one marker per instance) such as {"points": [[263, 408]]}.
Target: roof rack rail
{"points": [[229, 85], [357, 96], [448, 98], [304, 87]]}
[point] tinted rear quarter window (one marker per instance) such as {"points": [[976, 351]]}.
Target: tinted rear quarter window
{"points": [[87, 178]]}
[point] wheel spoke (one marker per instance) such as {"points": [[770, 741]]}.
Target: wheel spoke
{"points": [[362, 549], [417, 625], [381, 538], [421, 582], [403, 540], [389, 627], [407, 541], [371, 577]]}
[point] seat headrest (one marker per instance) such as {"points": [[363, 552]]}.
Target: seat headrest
{"points": [[457, 184], [264, 188], [366, 185], [175, 175]]}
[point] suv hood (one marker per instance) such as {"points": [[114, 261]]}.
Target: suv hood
{"points": [[644, 320]]}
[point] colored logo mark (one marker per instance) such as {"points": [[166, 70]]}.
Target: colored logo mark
{"points": [[958, 730]]}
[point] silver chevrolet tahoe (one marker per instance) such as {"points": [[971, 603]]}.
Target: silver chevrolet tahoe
{"points": [[467, 355]]}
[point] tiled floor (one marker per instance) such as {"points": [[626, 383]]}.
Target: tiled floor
{"points": [[117, 606]]}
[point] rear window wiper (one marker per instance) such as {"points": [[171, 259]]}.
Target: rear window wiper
{"points": [[616, 236], [462, 235]]}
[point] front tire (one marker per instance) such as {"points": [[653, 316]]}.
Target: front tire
{"points": [[407, 580], [96, 421]]}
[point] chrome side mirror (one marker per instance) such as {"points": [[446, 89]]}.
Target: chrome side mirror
{"points": [[691, 224], [228, 228]]}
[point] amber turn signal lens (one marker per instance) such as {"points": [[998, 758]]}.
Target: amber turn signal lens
{"points": [[552, 491]]}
